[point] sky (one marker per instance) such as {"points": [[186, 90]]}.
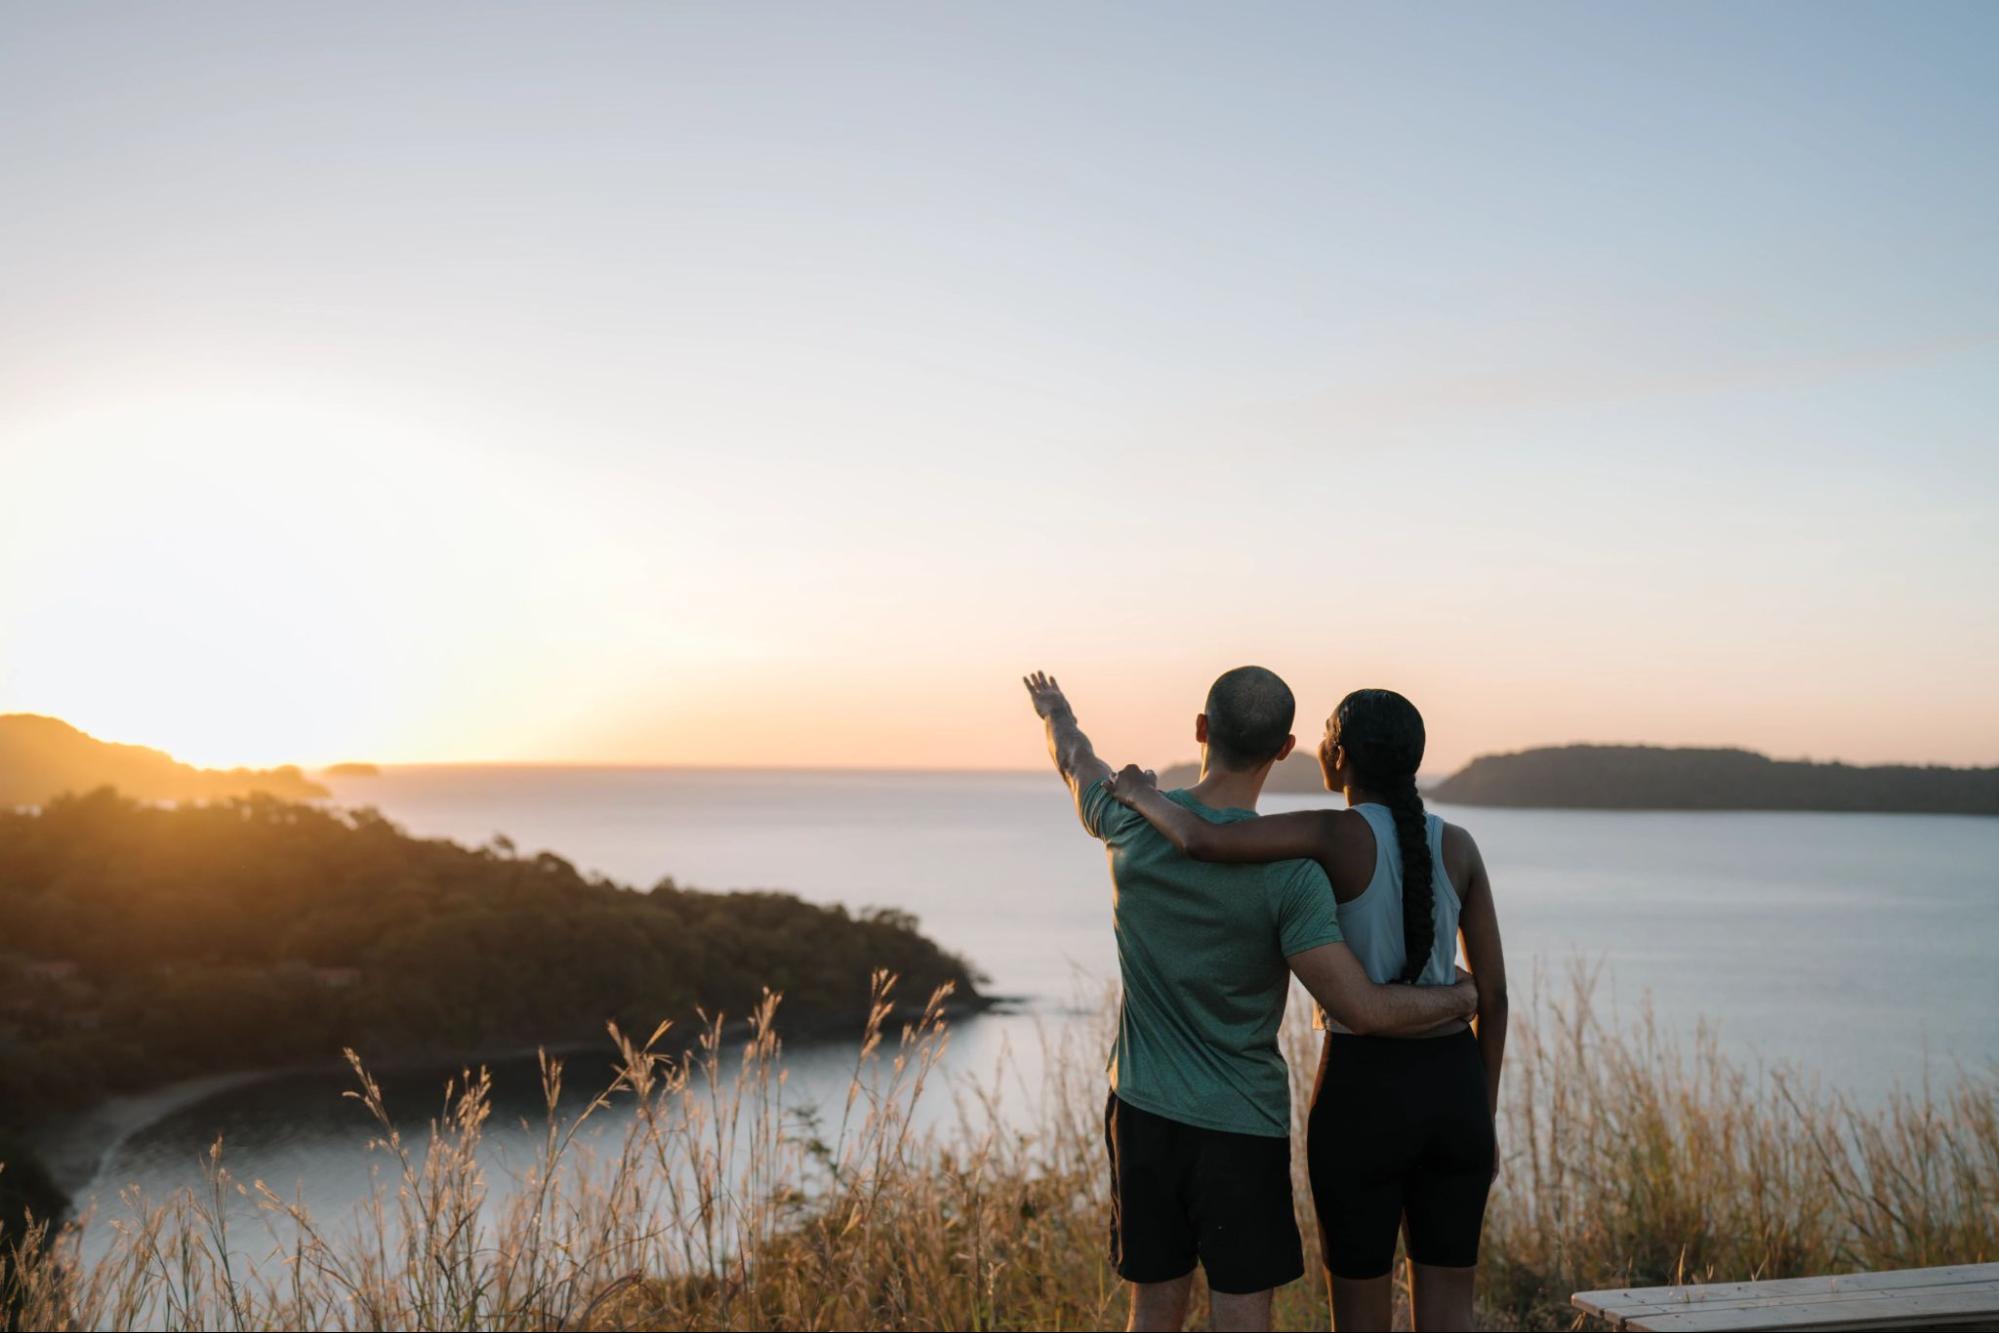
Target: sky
{"points": [[775, 384]]}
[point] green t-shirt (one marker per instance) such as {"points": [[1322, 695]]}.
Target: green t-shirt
{"points": [[1201, 947]]}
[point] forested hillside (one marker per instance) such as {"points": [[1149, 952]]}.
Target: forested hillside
{"points": [[143, 943]]}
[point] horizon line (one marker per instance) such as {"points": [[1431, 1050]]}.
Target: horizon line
{"points": [[654, 765]]}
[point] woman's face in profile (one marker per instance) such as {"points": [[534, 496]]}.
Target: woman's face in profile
{"points": [[1329, 759]]}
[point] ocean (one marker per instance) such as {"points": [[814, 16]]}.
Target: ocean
{"points": [[1850, 949]]}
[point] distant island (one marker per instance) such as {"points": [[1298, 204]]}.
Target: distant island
{"points": [[1297, 774], [1657, 777], [1653, 777], [350, 771], [43, 757]]}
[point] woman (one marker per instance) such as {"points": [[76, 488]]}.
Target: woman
{"points": [[1401, 1128]]}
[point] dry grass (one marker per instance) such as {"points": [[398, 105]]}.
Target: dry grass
{"points": [[1626, 1160], [1630, 1160]]}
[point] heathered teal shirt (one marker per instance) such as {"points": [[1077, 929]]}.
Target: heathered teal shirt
{"points": [[1201, 947]]}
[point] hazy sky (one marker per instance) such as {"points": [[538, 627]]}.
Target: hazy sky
{"points": [[761, 383]]}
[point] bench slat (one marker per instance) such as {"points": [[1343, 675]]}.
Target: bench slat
{"points": [[1961, 1294], [1753, 1299], [1794, 1286], [1971, 1308], [1788, 1286]]}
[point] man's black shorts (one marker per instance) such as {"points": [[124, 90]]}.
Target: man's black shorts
{"points": [[1181, 1194]]}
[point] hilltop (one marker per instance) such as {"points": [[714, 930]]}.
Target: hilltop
{"points": [[43, 757]]}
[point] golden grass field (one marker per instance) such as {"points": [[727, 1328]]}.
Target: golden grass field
{"points": [[1626, 1159]]}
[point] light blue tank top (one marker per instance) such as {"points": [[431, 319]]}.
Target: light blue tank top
{"points": [[1372, 923]]}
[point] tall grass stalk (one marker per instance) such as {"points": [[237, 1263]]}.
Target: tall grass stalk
{"points": [[1626, 1159]]}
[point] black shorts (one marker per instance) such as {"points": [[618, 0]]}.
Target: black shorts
{"points": [[1180, 1194], [1400, 1131]]}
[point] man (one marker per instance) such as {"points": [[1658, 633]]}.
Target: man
{"points": [[1198, 1120]]}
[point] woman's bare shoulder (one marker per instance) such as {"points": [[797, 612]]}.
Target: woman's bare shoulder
{"points": [[1349, 859], [1461, 854]]}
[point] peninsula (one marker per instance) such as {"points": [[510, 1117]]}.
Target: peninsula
{"points": [[150, 943]]}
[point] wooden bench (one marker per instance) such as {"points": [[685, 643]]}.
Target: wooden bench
{"points": [[1966, 1296]]}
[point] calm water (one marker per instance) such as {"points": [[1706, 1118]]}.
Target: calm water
{"points": [[1855, 947]]}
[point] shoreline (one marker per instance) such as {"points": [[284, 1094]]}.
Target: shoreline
{"points": [[77, 1146]]}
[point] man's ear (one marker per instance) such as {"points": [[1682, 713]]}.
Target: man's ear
{"points": [[1284, 750], [1200, 728]]}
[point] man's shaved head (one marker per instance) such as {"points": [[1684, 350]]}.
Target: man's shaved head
{"points": [[1249, 713]]}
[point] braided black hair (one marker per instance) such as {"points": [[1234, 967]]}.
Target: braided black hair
{"points": [[1382, 734]]}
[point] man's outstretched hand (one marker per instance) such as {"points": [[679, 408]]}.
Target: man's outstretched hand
{"points": [[1131, 782], [1047, 696], [1067, 745]]}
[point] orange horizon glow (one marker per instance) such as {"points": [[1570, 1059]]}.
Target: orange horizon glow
{"points": [[227, 640], [235, 605]]}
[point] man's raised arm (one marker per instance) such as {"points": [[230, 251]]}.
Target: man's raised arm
{"points": [[1067, 745], [1338, 982]]}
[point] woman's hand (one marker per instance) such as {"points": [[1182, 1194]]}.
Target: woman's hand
{"points": [[1467, 991], [1131, 782]]}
